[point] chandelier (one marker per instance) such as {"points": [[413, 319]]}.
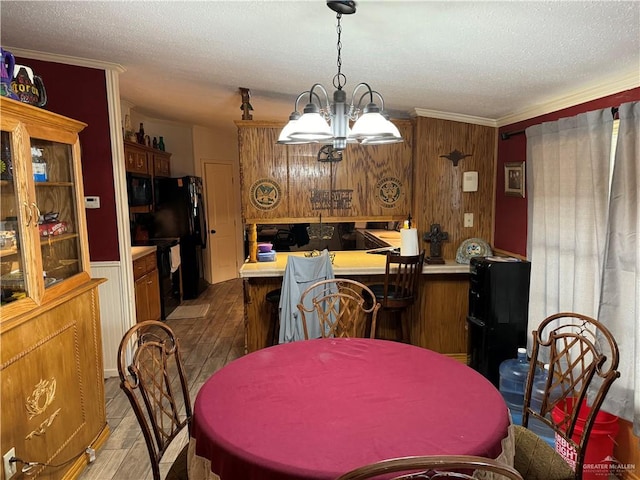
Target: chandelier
{"points": [[328, 123]]}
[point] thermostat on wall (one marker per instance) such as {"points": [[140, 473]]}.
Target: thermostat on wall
{"points": [[470, 182], [91, 202]]}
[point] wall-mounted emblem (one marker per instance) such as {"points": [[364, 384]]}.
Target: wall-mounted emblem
{"points": [[265, 194], [455, 156], [388, 191]]}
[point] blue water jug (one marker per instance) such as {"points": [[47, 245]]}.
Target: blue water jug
{"points": [[539, 387], [513, 377]]}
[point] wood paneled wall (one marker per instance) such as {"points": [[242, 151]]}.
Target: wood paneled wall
{"points": [[438, 320], [437, 184]]}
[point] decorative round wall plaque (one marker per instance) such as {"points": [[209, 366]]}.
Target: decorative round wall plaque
{"points": [[265, 194], [388, 191]]}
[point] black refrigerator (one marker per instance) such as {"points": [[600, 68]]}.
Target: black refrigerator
{"points": [[179, 212], [498, 312]]}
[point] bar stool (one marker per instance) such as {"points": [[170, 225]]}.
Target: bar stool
{"points": [[400, 287], [273, 299]]}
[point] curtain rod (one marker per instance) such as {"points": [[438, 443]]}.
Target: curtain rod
{"points": [[508, 135]]}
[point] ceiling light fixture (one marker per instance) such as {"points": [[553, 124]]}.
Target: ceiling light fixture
{"points": [[327, 122]]}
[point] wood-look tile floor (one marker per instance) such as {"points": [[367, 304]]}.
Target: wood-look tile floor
{"points": [[207, 344]]}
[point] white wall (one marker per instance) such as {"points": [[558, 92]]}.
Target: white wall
{"points": [[177, 138], [220, 145]]}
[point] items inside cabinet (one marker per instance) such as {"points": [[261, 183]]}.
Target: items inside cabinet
{"points": [[55, 200]]}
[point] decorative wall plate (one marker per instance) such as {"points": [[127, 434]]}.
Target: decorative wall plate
{"points": [[472, 247], [389, 190], [265, 194]]}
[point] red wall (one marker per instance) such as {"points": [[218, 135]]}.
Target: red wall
{"points": [[511, 212], [81, 93]]}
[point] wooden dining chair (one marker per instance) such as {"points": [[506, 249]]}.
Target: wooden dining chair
{"points": [[432, 467], [342, 307], [148, 363], [400, 287], [578, 350]]}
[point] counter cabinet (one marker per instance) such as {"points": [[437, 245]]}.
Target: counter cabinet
{"points": [[437, 320], [147, 288]]}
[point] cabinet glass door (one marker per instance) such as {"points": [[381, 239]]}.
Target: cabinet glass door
{"points": [[53, 176], [12, 281]]}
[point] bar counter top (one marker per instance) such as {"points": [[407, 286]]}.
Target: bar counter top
{"points": [[355, 262]]}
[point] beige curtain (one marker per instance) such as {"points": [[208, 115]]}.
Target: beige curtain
{"points": [[568, 163], [620, 300]]}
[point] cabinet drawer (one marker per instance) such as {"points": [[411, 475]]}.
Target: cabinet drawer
{"points": [[143, 265], [139, 267], [151, 262]]}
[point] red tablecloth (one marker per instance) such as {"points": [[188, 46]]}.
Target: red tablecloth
{"points": [[315, 409]]}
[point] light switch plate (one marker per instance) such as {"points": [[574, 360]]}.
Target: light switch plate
{"points": [[468, 219], [470, 182]]}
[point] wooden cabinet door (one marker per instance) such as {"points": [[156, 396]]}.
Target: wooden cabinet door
{"points": [[310, 183], [136, 160], [53, 404], [44, 250], [263, 173], [161, 165], [379, 177], [147, 288], [141, 300], [153, 295]]}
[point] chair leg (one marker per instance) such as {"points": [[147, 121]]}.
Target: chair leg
{"points": [[275, 324], [404, 328]]}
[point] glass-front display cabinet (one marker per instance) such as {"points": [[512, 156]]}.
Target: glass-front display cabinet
{"points": [[43, 248]]}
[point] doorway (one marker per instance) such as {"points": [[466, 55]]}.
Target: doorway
{"points": [[221, 218]]}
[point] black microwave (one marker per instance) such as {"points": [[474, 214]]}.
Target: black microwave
{"points": [[139, 190]]}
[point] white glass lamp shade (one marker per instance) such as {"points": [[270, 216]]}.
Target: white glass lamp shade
{"points": [[381, 140], [373, 125], [286, 131], [311, 127], [395, 138]]}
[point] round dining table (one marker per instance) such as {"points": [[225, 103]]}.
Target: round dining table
{"points": [[316, 409]]}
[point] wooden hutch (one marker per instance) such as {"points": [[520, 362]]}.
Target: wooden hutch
{"points": [[53, 404]]}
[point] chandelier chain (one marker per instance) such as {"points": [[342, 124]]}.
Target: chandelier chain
{"points": [[339, 80]]}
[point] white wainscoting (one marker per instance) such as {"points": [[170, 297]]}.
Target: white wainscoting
{"points": [[114, 312]]}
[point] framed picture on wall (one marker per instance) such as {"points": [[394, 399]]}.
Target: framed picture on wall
{"points": [[514, 179]]}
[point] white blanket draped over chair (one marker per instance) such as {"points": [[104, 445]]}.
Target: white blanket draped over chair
{"points": [[299, 274]]}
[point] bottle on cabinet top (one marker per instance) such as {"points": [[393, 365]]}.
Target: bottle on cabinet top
{"points": [[140, 134]]}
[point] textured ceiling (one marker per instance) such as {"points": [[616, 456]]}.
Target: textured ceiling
{"points": [[184, 61]]}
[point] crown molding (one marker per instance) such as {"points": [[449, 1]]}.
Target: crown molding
{"points": [[68, 60], [592, 92], [587, 94], [455, 117]]}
